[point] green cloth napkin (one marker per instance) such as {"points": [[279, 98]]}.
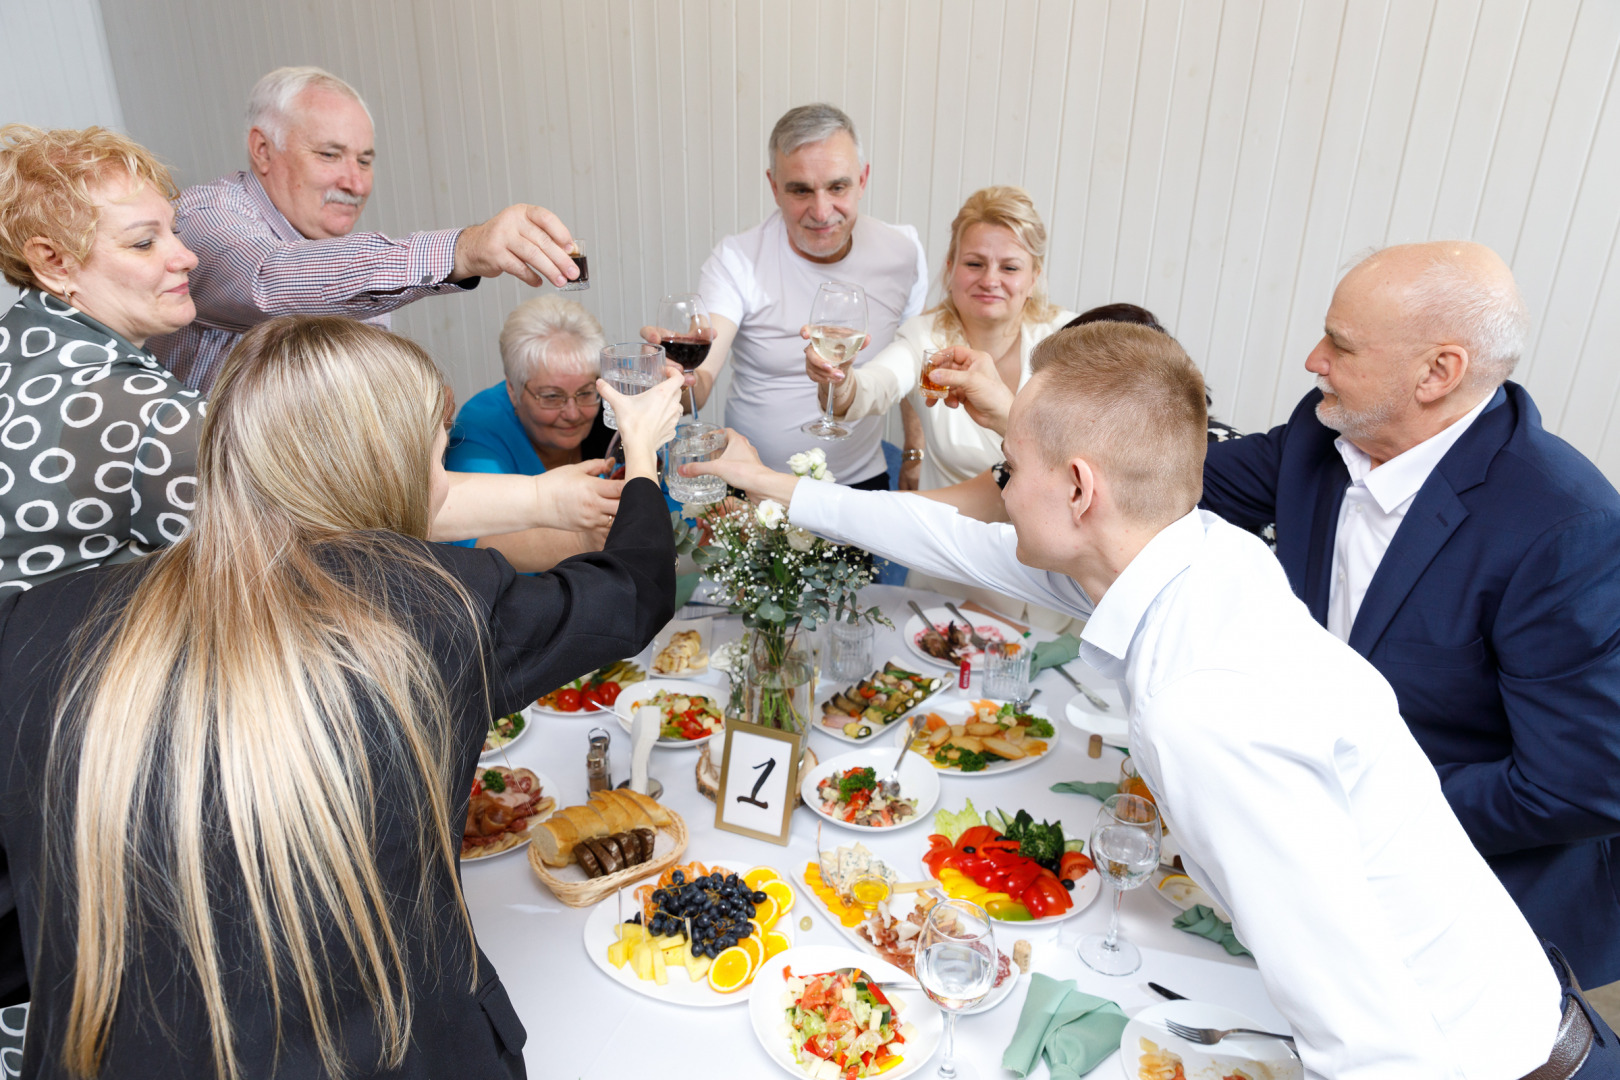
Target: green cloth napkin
{"points": [[1099, 791], [1202, 921], [1060, 650], [1075, 1031], [685, 586]]}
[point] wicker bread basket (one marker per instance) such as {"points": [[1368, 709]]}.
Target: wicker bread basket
{"points": [[577, 891]]}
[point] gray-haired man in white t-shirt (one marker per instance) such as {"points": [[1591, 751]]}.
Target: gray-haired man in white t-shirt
{"points": [[759, 286]]}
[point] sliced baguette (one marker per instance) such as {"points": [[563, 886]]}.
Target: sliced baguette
{"points": [[639, 818], [555, 840], [604, 803], [653, 808], [589, 823]]}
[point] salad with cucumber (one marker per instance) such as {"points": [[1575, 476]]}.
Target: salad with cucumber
{"points": [[842, 1025]]}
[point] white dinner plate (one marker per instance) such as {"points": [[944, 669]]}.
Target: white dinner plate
{"points": [[705, 630], [1114, 726], [837, 730], [546, 788], [643, 691], [578, 714], [989, 628], [529, 714], [918, 780], [679, 989], [1262, 1059], [900, 906], [955, 711], [766, 1012]]}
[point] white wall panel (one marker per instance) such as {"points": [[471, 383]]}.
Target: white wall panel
{"points": [[1217, 160]]}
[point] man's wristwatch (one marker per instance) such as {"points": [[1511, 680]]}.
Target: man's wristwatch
{"points": [[911, 455]]}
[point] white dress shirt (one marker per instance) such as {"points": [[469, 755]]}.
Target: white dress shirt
{"points": [[1299, 799], [1373, 508]]}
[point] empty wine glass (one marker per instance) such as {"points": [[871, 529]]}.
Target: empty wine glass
{"points": [[1125, 847], [686, 332], [631, 368], [956, 965], [837, 332]]}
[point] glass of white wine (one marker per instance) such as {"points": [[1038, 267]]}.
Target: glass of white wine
{"points": [[1125, 847], [837, 332], [956, 966]]}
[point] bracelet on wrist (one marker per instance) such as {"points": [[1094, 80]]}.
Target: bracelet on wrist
{"points": [[911, 455]]}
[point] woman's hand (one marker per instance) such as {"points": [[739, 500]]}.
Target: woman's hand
{"points": [[975, 385], [646, 422], [577, 498], [739, 465], [825, 375]]}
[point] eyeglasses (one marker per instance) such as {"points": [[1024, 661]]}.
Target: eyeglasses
{"points": [[556, 400], [1001, 474]]}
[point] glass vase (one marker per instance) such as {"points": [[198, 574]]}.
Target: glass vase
{"points": [[781, 683]]}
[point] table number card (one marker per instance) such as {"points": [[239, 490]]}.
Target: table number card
{"points": [[759, 773]]}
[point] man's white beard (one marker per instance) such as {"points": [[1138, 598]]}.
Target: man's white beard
{"points": [[1352, 425]]}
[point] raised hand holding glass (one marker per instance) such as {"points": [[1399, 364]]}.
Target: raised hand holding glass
{"points": [[837, 332]]}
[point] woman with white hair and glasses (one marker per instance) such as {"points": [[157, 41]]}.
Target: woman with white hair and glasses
{"points": [[236, 771], [543, 415]]}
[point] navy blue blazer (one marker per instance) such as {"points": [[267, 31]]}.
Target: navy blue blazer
{"points": [[1495, 615]]}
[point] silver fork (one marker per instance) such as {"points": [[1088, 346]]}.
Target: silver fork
{"points": [[1091, 695], [1211, 1036], [973, 635]]}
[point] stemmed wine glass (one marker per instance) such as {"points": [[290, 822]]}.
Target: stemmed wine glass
{"points": [[956, 965], [686, 332], [1125, 847], [837, 332]]}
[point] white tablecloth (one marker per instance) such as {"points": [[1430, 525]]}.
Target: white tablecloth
{"points": [[581, 1024]]}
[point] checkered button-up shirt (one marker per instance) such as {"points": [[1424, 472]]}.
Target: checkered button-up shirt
{"points": [[253, 265]]}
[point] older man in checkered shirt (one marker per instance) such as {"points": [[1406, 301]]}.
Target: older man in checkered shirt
{"points": [[278, 240]]}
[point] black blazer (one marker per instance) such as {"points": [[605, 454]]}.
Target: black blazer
{"points": [[1495, 616], [542, 630]]}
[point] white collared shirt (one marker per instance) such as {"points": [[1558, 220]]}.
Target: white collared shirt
{"points": [[1373, 508], [1299, 798]]}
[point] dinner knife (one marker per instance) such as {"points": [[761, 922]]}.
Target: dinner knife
{"points": [[1169, 995], [1091, 695]]}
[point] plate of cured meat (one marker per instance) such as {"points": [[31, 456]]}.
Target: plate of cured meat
{"points": [[506, 806], [945, 641]]}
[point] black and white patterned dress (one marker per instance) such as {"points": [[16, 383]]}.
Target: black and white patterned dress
{"points": [[98, 445]]}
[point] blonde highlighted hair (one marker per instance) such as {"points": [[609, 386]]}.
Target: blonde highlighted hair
{"points": [[261, 694], [1130, 401], [1011, 208], [47, 180]]}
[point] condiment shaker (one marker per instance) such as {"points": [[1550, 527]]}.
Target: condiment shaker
{"points": [[597, 775]]}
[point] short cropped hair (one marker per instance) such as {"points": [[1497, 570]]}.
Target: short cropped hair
{"points": [[1131, 313], [270, 105], [46, 182], [808, 124], [1130, 401], [1011, 208], [549, 335]]}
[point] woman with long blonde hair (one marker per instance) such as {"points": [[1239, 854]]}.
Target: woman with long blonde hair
{"points": [[235, 768]]}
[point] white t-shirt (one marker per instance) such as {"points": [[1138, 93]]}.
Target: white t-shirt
{"points": [[761, 284]]}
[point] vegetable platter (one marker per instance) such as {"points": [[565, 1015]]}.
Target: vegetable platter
{"points": [[1017, 869]]}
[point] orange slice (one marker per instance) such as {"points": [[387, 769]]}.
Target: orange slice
{"points": [[775, 942], [759, 875], [767, 913], [755, 948], [782, 893], [730, 970]]}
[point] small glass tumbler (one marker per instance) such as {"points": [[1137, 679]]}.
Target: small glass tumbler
{"points": [[631, 368], [931, 389], [1006, 671], [577, 253], [692, 443], [851, 647]]}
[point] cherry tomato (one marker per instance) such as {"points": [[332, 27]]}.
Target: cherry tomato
{"points": [[591, 698], [607, 693], [569, 700]]}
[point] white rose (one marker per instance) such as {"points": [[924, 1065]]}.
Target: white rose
{"points": [[801, 464], [800, 539], [771, 514], [819, 471]]}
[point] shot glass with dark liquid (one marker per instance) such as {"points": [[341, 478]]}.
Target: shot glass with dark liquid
{"points": [[931, 389], [577, 253]]}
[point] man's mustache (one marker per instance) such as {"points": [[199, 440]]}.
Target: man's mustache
{"points": [[333, 195]]}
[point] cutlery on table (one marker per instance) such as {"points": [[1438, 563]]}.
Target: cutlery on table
{"points": [[973, 635], [1211, 1036], [889, 786], [980, 609], [1091, 695], [1167, 994]]}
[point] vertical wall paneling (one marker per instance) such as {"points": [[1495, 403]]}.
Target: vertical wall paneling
{"points": [[1217, 160]]}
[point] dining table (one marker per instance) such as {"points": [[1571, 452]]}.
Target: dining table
{"points": [[583, 1024]]}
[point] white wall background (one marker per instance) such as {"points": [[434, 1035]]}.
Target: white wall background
{"points": [[1216, 160]]}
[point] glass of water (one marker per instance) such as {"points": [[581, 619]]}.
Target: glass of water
{"points": [[1125, 847], [694, 442], [850, 647], [956, 965], [1006, 671], [632, 368]]}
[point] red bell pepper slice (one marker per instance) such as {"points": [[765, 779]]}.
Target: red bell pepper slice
{"points": [[975, 836]]}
